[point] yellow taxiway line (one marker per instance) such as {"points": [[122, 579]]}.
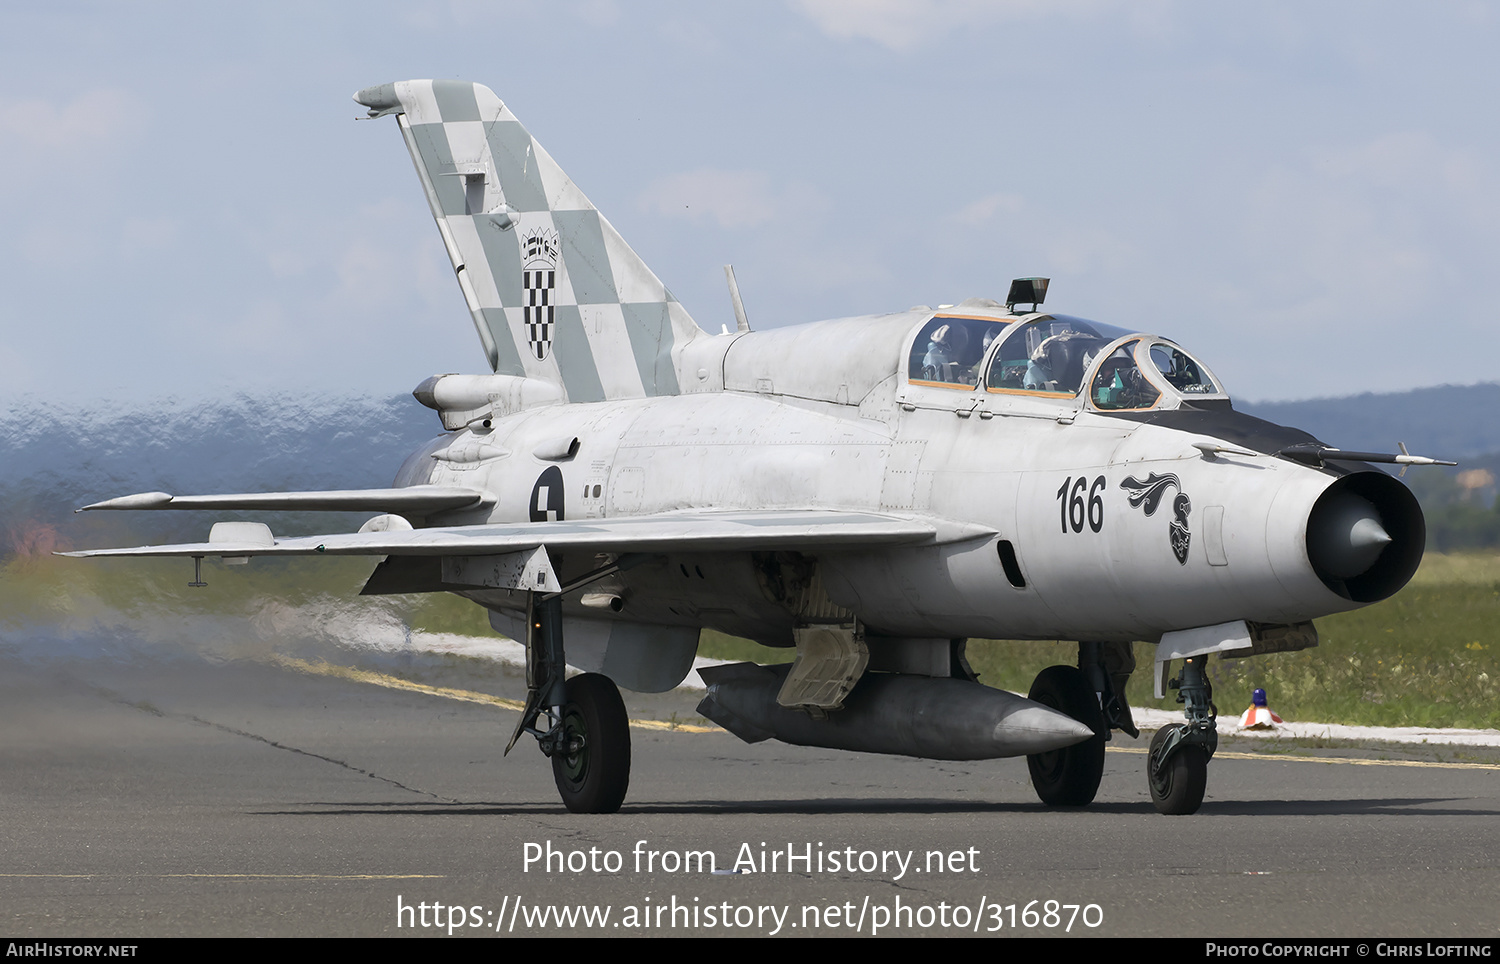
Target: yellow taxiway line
{"points": [[448, 692]]}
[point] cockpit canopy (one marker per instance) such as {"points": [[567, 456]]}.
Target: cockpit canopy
{"points": [[1055, 356]]}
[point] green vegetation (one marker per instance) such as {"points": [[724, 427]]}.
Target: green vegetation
{"points": [[1461, 506], [49, 590], [716, 645], [441, 612], [1425, 657], [75, 593]]}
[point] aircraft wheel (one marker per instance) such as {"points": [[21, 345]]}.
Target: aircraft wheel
{"points": [[1069, 777], [592, 768], [1177, 785]]}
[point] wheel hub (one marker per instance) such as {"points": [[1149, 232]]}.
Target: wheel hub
{"points": [[574, 740]]}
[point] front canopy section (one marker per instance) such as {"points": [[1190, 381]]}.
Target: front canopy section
{"points": [[1145, 372]]}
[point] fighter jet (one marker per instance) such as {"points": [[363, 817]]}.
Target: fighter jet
{"points": [[867, 493]]}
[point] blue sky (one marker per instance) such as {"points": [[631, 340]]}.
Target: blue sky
{"points": [[1305, 195]]}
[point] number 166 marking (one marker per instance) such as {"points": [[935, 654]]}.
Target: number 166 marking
{"points": [[1073, 510]]}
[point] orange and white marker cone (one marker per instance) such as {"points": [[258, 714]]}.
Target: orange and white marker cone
{"points": [[1259, 715]]}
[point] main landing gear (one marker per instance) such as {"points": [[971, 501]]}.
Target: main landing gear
{"points": [[1093, 694], [580, 723], [1069, 777], [591, 757]]}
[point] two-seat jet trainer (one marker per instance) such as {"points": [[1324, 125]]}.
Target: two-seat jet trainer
{"points": [[866, 492]]}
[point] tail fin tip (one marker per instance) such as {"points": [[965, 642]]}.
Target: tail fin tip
{"points": [[379, 98]]}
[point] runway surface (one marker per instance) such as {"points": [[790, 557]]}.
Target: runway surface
{"points": [[153, 795]]}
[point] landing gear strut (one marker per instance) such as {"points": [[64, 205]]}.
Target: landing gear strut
{"points": [[580, 723], [1069, 777], [1177, 766]]}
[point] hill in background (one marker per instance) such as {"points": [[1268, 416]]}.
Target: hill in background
{"points": [[52, 462], [1448, 421]]}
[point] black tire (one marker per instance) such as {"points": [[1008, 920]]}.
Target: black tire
{"points": [[595, 777], [1069, 777], [1177, 787]]}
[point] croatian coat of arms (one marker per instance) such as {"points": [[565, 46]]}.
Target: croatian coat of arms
{"points": [[539, 255]]}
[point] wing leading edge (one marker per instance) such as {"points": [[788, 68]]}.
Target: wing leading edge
{"points": [[696, 531]]}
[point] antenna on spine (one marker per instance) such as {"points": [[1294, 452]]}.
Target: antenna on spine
{"points": [[742, 322]]}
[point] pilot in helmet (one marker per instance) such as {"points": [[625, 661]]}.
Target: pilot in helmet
{"points": [[945, 348]]}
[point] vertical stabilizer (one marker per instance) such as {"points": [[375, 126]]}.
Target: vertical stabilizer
{"points": [[554, 291]]}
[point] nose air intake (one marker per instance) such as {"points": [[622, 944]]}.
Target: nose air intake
{"points": [[1365, 536]]}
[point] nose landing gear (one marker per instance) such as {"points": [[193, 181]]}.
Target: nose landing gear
{"points": [[1177, 771], [1177, 766]]}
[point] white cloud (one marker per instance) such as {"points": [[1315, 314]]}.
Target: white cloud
{"points": [[904, 24], [693, 35], [89, 121], [1376, 222], [598, 13], [376, 271], [986, 208], [18, 371], [145, 237], [1063, 241], [82, 138], [46, 243], [257, 332], [1338, 249], [732, 199], [1083, 249], [1402, 159]]}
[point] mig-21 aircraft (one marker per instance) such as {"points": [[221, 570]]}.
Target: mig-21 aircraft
{"points": [[867, 493]]}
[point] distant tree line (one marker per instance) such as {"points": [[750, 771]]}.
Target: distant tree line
{"points": [[1462, 506]]}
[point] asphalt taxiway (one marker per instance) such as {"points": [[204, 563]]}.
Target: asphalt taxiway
{"points": [[160, 796]]}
